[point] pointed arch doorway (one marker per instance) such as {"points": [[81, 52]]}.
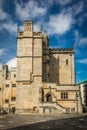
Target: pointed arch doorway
{"points": [[49, 98]]}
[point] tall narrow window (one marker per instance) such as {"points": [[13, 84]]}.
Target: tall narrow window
{"points": [[14, 75], [66, 61]]}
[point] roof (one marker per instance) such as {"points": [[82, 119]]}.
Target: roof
{"points": [[83, 81]]}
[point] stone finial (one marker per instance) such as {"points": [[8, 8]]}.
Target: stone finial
{"points": [[18, 29], [41, 28]]}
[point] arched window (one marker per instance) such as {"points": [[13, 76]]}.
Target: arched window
{"points": [[49, 98]]}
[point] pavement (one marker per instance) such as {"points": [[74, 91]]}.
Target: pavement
{"points": [[43, 122]]}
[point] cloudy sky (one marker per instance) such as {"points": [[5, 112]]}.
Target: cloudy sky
{"points": [[65, 21]]}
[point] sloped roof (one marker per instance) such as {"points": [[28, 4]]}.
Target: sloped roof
{"points": [[83, 81]]}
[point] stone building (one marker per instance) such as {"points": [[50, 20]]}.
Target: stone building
{"points": [[8, 88], [45, 76], [83, 90], [0, 90]]}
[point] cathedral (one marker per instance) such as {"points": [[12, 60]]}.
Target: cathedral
{"points": [[44, 81], [45, 76]]}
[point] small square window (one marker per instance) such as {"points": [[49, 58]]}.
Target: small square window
{"points": [[67, 110], [13, 98], [6, 101], [7, 85], [72, 109], [13, 85]]}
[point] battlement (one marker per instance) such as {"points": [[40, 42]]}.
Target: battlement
{"points": [[61, 50], [37, 33], [20, 34], [28, 31]]}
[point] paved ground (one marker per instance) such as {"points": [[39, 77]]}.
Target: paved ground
{"points": [[38, 122]]}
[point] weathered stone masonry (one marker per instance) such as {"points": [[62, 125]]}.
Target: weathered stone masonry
{"points": [[45, 76]]}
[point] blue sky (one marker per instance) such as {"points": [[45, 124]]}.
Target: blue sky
{"points": [[65, 21]]}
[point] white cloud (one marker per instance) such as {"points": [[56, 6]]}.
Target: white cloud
{"points": [[60, 24], [3, 14], [79, 39], [7, 23], [78, 8], [82, 18], [64, 2], [31, 9], [10, 27], [60, 2], [84, 61], [12, 63], [37, 27], [2, 51], [75, 9], [83, 41]]}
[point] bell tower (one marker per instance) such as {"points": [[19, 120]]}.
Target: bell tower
{"points": [[29, 68]]}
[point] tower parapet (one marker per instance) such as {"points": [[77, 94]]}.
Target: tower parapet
{"points": [[28, 26], [61, 50], [28, 30]]}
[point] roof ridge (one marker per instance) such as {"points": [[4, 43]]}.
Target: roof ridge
{"points": [[83, 81]]}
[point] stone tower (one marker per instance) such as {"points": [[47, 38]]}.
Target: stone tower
{"points": [[29, 69], [61, 67]]}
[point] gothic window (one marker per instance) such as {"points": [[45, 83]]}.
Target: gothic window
{"points": [[0, 89], [64, 95], [49, 98]]}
